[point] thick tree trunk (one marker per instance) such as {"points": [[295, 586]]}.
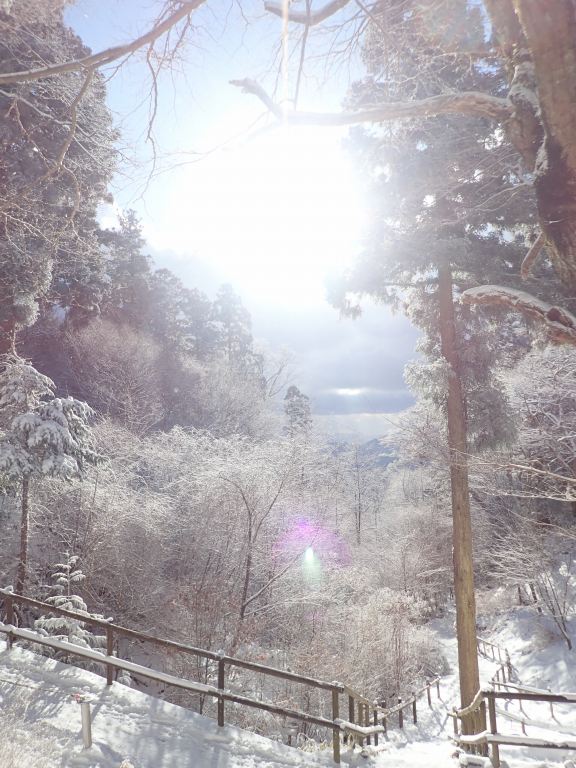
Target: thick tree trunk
{"points": [[461, 519], [550, 31], [537, 39], [23, 559], [555, 186]]}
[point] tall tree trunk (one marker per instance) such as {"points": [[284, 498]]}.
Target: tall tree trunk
{"points": [[23, 559], [7, 337], [461, 519]]}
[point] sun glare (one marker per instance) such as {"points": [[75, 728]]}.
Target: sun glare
{"points": [[278, 214]]}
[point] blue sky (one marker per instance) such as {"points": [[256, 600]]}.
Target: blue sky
{"points": [[273, 216]]}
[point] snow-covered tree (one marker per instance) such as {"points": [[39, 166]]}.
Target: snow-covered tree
{"points": [[40, 436], [66, 577], [298, 413]]}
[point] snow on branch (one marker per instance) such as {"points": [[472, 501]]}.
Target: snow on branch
{"points": [[108, 55], [465, 103], [308, 17], [560, 324]]}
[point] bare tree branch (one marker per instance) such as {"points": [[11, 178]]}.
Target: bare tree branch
{"points": [[106, 56], [466, 103], [308, 17]]}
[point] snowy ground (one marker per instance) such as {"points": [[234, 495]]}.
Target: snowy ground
{"points": [[40, 719]]}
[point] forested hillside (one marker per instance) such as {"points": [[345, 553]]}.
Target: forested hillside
{"points": [[159, 466]]}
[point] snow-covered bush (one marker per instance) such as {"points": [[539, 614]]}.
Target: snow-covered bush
{"points": [[66, 578]]}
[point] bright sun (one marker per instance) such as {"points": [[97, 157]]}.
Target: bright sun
{"points": [[278, 214]]}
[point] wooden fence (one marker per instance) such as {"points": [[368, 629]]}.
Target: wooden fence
{"points": [[500, 656], [480, 742], [366, 719]]}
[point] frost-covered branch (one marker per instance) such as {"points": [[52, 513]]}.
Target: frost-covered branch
{"points": [[559, 323]]}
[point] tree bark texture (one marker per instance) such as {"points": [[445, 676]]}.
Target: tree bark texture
{"points": [[24, 524], [537, 39], [461, 519]]}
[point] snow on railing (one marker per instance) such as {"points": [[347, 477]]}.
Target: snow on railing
{"points": [[497, 654], [480, 741], [361, 711]]}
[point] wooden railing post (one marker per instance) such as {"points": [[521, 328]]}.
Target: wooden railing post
{"points": [[400, 713], [109, 652], [482, 726], [348, 736], [385, 720], [336, 728], [367, 722], [221, 670], [414, 717], [428, 693], [493, 730], [375, 720], [9, 620]]}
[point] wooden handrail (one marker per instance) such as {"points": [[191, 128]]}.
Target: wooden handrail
{"points": [[161, 677], [185, 648], [492, 736], [111, 662]]}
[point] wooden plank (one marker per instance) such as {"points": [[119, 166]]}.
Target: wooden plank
{"points": [[100, 658], [276, 710], [557, 698], [274, 672]]}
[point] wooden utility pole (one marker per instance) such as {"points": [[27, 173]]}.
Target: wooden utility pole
{"points": [[461, 519]]}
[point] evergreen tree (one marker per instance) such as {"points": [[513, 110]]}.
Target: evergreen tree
{"points": [[66, 579], [298, 412], [56, 155], [451, 214], [127, 272], [40, 436], [233, 327]]}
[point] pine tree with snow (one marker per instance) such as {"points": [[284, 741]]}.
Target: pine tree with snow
{"points": [[298, 413], [40, 436], [66, 577]]}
